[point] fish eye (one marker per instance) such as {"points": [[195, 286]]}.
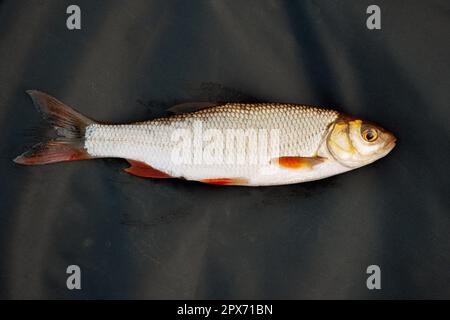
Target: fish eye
{"points": [[370, 134]]}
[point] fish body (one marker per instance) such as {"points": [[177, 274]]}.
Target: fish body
{"points": [[228, 144]]}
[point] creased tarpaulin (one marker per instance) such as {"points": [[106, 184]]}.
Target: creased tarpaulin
{"points": [[139, 238]]}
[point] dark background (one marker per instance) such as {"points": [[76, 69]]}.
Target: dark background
{"points": [[138, 238]]}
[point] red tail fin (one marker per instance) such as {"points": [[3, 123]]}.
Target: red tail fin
{"points": [[70, 129]]}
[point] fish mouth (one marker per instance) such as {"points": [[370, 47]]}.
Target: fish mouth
{"points": [[390, 145], [386, 149]]}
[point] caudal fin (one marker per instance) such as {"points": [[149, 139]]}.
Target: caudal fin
{"points": [[70, 129]]}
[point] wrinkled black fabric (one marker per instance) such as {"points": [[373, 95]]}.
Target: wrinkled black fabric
{"points": [[139, 238]]}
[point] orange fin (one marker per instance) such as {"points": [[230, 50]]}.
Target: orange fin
{"points": [[226, 181], [298, 162], [70, 127], [52, 151], [142, 169]]}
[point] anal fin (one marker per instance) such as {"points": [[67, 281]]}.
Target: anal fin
{"points": [[142, 169]]}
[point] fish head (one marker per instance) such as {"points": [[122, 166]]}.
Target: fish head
{"points": [[355, 143]]}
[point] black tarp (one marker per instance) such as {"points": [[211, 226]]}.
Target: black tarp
{"points": [[138, 238]]}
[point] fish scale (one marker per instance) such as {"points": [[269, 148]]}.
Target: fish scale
{"points": [[230, 144], [301, 129]]}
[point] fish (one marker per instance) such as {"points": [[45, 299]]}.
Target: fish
{"points": [[227, 144]]}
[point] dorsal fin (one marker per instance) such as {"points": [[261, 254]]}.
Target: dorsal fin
{"points": [[192, 107]]}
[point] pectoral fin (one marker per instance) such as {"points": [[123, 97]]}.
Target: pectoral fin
{"points": [[142, 169], [297, 163]]}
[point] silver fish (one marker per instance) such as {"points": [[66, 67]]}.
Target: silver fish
{"points": [[251, 144]]}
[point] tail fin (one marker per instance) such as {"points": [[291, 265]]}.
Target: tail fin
{"points": [[70, 130]]}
